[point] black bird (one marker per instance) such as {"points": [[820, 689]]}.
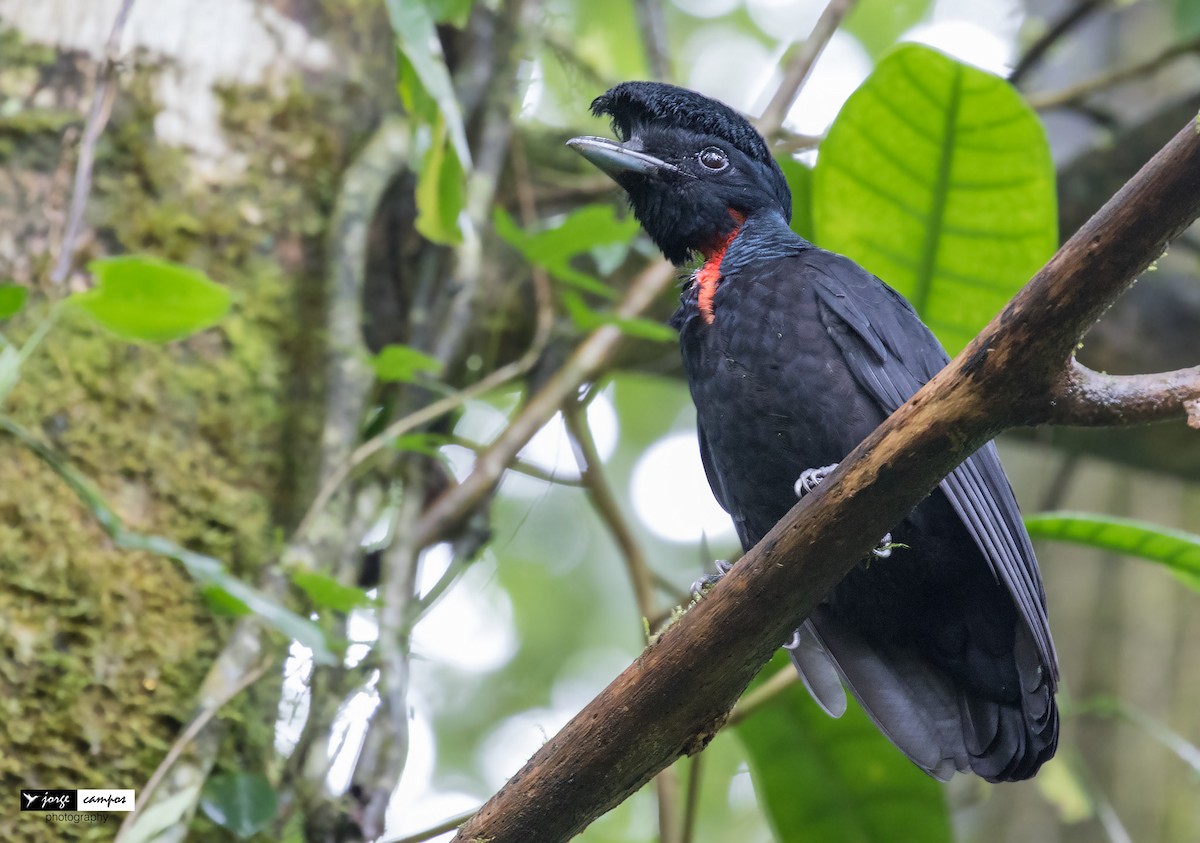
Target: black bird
{"points": [[793, 355]]}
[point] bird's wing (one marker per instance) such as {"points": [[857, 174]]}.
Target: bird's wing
{"points": [[718, 487], [892, 354]]}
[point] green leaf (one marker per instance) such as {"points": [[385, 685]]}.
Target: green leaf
{"points": [[12, 299], [209, 572], [161, 815], [579, 232], [878, 24], [1187, 19], [1178, 550], [824, 779], [402, 363], [421, 443], [223, 603], [937, 177], [149, 300], [453, 12], [327, 593], [588, 318], [417, 41], [413, 96], [441, 189], [243, 803], [799, 179]]}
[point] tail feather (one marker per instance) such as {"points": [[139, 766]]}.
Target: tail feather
{"points": [[817, 670], [942, 727], [915, 707]]}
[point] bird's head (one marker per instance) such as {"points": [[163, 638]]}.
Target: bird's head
{"points": [[693, 167]]}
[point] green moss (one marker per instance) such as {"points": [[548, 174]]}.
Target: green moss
{"points": [[28, 133], [101, 651]]}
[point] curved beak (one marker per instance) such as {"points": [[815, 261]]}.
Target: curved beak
{"points": [[616, 160]]}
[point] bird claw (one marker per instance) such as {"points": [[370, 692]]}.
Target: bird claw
{"points": [[700, 586], [884, 549], [810, 478]]}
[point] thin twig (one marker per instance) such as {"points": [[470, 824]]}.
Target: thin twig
{"points": [[1038, 49], [403, 425], [1072, 94], [518, 466], [189, 734], [788, 142], [397, 591], [605, 503], [433, 831], [588, 360], [691, 807], [527, 205], [102, 101], [761, 695], [801, 65], [653, 24]]}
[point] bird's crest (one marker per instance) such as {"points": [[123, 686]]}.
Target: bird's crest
{"points": [[636, 104]]}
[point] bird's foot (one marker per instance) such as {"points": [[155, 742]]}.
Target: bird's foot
{"points": [[702, 585], [810, 478], [884, 549]]}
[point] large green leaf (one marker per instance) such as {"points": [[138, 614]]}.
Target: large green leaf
{"points": [[150, 300], [416, 38], [441, 189], [937, 177], [243, 803], [823, 779], [1178, 550], [428, 95]]}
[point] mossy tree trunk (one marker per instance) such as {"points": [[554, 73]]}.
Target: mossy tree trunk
{"points": [[102, 650]]}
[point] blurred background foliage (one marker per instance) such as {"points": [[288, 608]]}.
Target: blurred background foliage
{"points": [[400, 225]]}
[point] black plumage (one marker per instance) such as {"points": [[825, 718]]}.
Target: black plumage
{"points": [[793, 355]]}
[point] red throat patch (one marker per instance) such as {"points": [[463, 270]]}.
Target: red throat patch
{"points": [[708, 276]]}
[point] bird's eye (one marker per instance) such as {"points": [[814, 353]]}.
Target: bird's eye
{"points": [[713, 158]]}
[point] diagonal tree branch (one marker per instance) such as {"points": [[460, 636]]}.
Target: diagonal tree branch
{"points": [[797, 70], [675, 696], [1038, 50]]}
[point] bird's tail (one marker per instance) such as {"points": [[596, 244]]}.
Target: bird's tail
{"points": [[941, 727]]}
